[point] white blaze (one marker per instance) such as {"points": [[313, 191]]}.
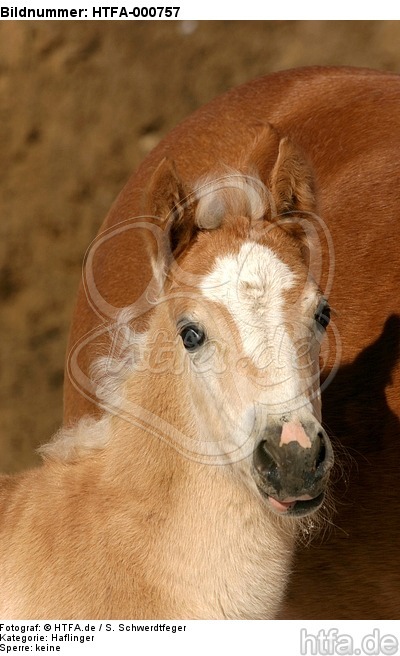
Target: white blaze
{"points": [[251, 285]]}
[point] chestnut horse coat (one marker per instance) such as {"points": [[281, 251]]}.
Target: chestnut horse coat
{"points": [[347, 122]]}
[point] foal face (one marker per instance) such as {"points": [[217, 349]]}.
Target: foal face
{"points": [[250, 331], [249, 319]]}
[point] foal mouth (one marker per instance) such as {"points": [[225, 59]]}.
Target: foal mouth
{"points": [[294, 507]]}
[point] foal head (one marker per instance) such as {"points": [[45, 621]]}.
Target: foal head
{"points": [[244, 318]]}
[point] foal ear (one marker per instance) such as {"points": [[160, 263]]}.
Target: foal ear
{"points": [[263, 152], [292, 182], [169, 201], [283, 168]]}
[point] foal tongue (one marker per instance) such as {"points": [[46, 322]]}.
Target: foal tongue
{"points": [[281, 506]]}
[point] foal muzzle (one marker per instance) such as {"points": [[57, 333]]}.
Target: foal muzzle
{"points": [[291, 466]]}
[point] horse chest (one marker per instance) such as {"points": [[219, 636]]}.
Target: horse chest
{"points": [[234, 566]]}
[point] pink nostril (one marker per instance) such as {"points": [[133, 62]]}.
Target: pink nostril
{"points": [[293, 432]]}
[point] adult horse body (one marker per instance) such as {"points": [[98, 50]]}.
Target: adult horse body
{"points": [[347, 121]]}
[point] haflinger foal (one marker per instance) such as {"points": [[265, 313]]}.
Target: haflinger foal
{"points": [[184, 500]]}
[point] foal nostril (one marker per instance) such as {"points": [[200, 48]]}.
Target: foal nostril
{"points": [[266, 464], [321, 455]]}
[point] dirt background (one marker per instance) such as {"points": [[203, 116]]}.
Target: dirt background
{"points": [[81, 104]]}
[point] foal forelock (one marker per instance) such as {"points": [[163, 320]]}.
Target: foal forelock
{"points": [[231, 194]]}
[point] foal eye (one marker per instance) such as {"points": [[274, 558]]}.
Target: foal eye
{"points": [[192, 336], [323, 314]]}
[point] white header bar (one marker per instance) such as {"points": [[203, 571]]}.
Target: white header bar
{"points": [[188, 10]]}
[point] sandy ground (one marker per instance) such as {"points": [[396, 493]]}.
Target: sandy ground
{"points": [[81, 104]]}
